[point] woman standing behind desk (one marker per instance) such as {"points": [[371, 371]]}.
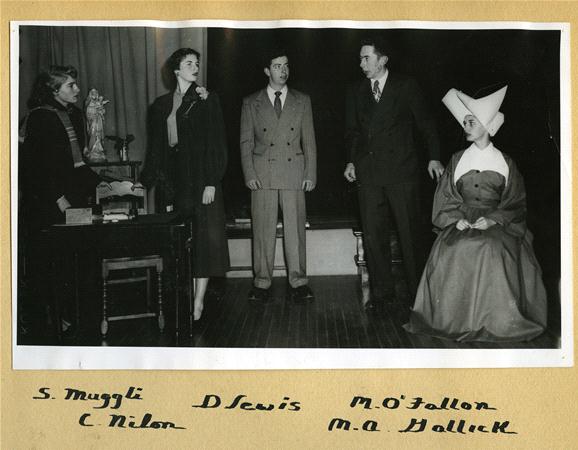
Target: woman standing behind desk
{"points": [[482, 281], [55, 175], [187, 145]]}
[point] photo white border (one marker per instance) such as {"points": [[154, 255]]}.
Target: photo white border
{"points": [[191, 358]]}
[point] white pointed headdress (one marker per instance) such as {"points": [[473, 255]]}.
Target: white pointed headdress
{"points": [[485, 109]]}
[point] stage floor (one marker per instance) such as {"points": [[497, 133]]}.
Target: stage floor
{"points": [[336, 319]]}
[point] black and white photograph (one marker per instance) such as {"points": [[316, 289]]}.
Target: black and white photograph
{"points": [[290, 194]]}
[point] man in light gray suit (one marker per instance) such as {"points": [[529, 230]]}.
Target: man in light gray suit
{"points": [[278, 156]]}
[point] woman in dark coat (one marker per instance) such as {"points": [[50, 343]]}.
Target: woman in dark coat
{"points": [[54, 176], [482, 281], [187, 160]]}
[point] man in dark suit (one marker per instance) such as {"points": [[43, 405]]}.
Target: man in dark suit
{"points": [[278, 155], [382, 114]]}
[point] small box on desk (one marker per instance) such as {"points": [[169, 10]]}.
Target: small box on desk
{"points": [[78, 215]]}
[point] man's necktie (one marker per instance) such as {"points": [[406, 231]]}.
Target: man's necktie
{"points": [[376, 91], [277, 104]]}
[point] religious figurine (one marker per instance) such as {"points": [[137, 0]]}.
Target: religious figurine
{"points": [[95, 112]]}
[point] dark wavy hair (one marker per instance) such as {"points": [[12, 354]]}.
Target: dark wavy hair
{"points": [[48, 82], [380, 46], [173, 63], [272, 53]]}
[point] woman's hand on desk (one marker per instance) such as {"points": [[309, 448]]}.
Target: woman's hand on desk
{"points": [[349, 172], [63, 204], [208, 195]]}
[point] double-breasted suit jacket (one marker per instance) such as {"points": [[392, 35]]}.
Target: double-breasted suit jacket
{"points": [[281, 154], [383, 144]]}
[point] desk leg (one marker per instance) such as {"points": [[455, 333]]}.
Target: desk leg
{"points": [[190, 278], [104, 323], [191, 290], [160, 297], [177, 249], [57, 290], [177, 281], [76, 282]]}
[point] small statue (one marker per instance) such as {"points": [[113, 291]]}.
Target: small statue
{"points": [[95, 112], [121, 145]]}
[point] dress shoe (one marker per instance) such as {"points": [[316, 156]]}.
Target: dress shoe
{"points": [[301, 294], [378, 302], [403, 314], [400, 310], [386, 299], [371, 306], [259, 295]]}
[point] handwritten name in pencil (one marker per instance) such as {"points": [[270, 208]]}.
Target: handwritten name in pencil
{"points": [[419, 403], [460, 426], [131, 422], [241, 401], [102, 399]]}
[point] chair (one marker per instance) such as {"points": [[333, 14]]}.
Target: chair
{"points": [[124, 197], [361, 262]]}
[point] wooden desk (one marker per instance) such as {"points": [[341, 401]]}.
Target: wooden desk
{"points": [[163, 234]]}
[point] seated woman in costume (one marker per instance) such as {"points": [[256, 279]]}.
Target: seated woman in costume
{"points": [[482, 281]]}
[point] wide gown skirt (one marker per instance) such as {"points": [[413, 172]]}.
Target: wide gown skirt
{"points": [[480, 286]]}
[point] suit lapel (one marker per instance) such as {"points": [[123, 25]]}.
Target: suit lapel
{"points": [[367, 98], [290, 109], [264, 110], [387, 95], [384, 111]]}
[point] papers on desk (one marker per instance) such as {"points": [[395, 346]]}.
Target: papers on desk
{"points": [[78, 216], [114, 216]]}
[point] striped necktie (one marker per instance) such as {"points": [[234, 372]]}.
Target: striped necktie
{"points": [[376, 91]]}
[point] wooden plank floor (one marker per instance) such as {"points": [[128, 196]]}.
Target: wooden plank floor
{"points": [[334, 320]]}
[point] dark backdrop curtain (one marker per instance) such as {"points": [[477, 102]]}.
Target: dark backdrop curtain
{"points": [[123, 63]]}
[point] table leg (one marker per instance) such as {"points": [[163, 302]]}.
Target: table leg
{"points": [[191, 292], [177, 253], [104, 323], [57, 290], [76, 293], [160, 297]]}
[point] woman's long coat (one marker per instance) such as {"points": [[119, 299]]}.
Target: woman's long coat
{"points": [[181, 173]]}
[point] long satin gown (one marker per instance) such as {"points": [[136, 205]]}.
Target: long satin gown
{"points": [[481, 285]]}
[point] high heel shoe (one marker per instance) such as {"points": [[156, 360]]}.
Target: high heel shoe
{"points": [[198, 309]]}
